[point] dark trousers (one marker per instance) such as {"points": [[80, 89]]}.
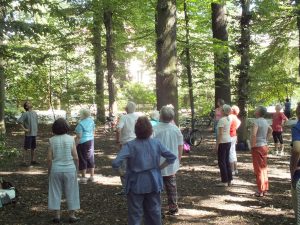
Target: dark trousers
{"points": [[223, 161]]}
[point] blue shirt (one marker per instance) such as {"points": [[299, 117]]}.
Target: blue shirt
{"points": [[143, 174], [86, 128], [296, 132], [154, 122]]}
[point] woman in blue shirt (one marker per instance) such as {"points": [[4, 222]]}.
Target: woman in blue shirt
{"points": [[143, 179], [85, 145], [295, 166]]}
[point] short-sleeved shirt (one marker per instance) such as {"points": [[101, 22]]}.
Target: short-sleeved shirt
{"points": [[225, 123], [126, 125], [262, 131], [143, 173], [62, 160], [278, 118], [29, 119], [171, 137], [86, 128], [234, 124]]}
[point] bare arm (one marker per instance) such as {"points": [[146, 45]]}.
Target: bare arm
{"points": [[269, 134], [253, 135], [49, 159], [75, 156], [295, 156], [219, 137]]}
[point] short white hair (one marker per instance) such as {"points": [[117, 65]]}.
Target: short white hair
{"points": [[130, 107], [278, 106], [154, 115], [226, 109], [167, 114], [84, 113]]}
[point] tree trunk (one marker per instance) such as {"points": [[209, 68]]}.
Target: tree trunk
{"points": [[188, 63], [243, 78], [166, 68], [110, 60], [2, 74], [298, 26], [97, 48], [221, 55]]}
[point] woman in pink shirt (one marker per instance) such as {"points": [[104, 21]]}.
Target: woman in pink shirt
{"points": [[277, 123]]}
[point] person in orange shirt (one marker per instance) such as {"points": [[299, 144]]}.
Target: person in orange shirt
{"points": [[277, 123]]}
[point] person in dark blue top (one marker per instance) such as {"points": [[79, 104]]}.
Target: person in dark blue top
{"points": [[295, 166], [143, 179], [287, 108]]}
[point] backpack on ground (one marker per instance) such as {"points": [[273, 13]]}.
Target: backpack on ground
{"points": [[7, 193]]}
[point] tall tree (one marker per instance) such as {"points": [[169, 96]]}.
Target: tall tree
{"points": [[243, 78], [108, 22], [166, 69], [221, 54], [97, 49], [188, 61], [2, 75], [298, 26]]}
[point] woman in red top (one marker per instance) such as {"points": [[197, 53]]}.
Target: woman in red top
{"points": [[277, 123], [234, 125]]}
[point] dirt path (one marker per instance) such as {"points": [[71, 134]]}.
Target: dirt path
{"points": [[200, 201]]}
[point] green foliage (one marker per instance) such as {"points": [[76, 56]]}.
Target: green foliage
{"points": [[139, 93]]}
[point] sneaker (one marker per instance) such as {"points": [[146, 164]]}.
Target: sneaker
{"points": [[282, 153], [221, 184], [83, 180], [74, 219], [172, 213], [120, 193], [91, 179]]}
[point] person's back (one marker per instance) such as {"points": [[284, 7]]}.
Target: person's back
{"points": [[29, 119], [262, 131], [62, 153], [126, 124], [86, 127]]}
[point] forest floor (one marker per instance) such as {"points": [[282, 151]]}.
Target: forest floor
{"points": [[200, 201]]}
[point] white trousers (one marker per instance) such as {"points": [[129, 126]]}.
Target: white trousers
{"points": [[63, 182], [232, 152]]}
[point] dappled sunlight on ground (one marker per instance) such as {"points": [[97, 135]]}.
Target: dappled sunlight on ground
{"points": [[107, 180]]}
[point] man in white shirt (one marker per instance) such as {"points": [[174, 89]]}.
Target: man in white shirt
{"points": [[125, 133], [170, 136]]}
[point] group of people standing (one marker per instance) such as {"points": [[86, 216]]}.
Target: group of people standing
{"points": [[150, 155], [226, 125]]}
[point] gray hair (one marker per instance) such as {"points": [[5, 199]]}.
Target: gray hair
{"points": [[130, 107], [154, 115], [278, 106], [261, 110], [167, 114], [84, 113], [226, 109]]}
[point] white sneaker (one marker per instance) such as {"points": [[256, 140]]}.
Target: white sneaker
{"points": [[282, 153], [83, 180], [91, 179]]}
